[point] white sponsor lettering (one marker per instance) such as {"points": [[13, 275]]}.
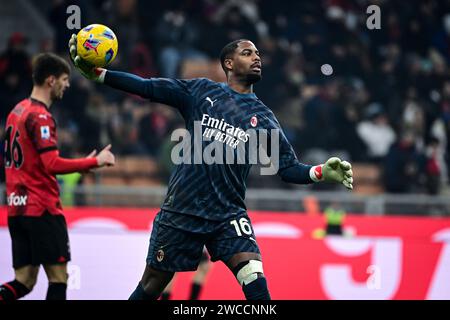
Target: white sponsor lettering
{"points": [[219, 133], [16, 200], [384, 279], [226, 129], [439, 287]]}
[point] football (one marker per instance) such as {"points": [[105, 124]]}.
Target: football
{"points": [[97, 44]]}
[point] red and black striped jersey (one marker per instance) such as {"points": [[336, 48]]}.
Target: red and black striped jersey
{"points": [[30, 131]]}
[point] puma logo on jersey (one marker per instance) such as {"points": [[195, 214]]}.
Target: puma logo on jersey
{"points": [[14, 200], [211, 101]]}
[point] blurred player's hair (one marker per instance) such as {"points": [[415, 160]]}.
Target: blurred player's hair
{"points": [[48, 64], [228, 51]]}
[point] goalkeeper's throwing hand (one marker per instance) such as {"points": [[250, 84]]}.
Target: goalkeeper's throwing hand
{"points": [[334, 170], [86, 69]]}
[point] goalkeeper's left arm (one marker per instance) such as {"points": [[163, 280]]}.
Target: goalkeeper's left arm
{"points": [[333, 170], [291, 170]]}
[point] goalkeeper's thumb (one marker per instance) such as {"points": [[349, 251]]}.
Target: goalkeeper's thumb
{"points": [[333, 163]]}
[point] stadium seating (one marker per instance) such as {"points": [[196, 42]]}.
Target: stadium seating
{"points": [[367, 178]]}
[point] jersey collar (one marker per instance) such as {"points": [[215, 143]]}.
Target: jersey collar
{"points": [[227, 88], [39, 102]]}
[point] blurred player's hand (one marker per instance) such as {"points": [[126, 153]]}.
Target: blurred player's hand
{"points": [[90, 155], [87, 70], [336, 170], [106, 157]]}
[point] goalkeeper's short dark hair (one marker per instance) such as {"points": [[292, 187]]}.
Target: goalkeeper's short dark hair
{"points": [[48, 64], [227, 51]]}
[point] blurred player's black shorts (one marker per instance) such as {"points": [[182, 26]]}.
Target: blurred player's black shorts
{"points": [[177, 240], [39, 240]]}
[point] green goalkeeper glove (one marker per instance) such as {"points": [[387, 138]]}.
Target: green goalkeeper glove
{"points": [[87, 70], [334, 170]]}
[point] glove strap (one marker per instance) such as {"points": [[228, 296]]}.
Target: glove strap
{"points": [[315, 173], [100, 75]]}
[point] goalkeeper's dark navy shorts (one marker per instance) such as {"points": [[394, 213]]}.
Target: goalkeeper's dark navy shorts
{"points": [[177, 240]]}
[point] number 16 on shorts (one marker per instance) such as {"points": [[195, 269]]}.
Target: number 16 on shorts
{"points": [[242, 226]]}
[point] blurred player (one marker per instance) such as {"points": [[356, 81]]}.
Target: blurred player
{"points": [[205, 202], [35, 218], [198, 280]]}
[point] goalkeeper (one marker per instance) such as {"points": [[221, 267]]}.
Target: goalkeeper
{"points": [[205, 205]]}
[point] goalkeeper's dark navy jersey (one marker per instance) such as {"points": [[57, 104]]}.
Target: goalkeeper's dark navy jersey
{"points": [[222, 117], [214, 191]]}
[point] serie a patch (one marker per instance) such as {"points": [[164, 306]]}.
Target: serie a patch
{"points": [[45, 132]]}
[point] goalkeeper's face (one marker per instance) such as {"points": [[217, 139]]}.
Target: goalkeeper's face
{"points": [[247, 62], [59, 85]]}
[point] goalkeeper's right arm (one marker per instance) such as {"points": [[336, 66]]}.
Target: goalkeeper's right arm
{"points": [[87, 70], [173, 92]]}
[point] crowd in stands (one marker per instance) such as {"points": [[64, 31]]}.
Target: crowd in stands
{"points": [[387, 101]]}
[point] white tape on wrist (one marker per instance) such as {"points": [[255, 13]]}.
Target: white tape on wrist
{"points": [[101, 75], [315, 173]]}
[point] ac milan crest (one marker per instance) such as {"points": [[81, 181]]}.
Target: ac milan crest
{"points": [[254, 121], [160, 255]]}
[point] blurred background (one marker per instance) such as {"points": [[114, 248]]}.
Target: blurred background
{"points": [[385, 107]]}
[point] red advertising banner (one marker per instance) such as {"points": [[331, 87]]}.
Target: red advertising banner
{"points": [[382, 258]]}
